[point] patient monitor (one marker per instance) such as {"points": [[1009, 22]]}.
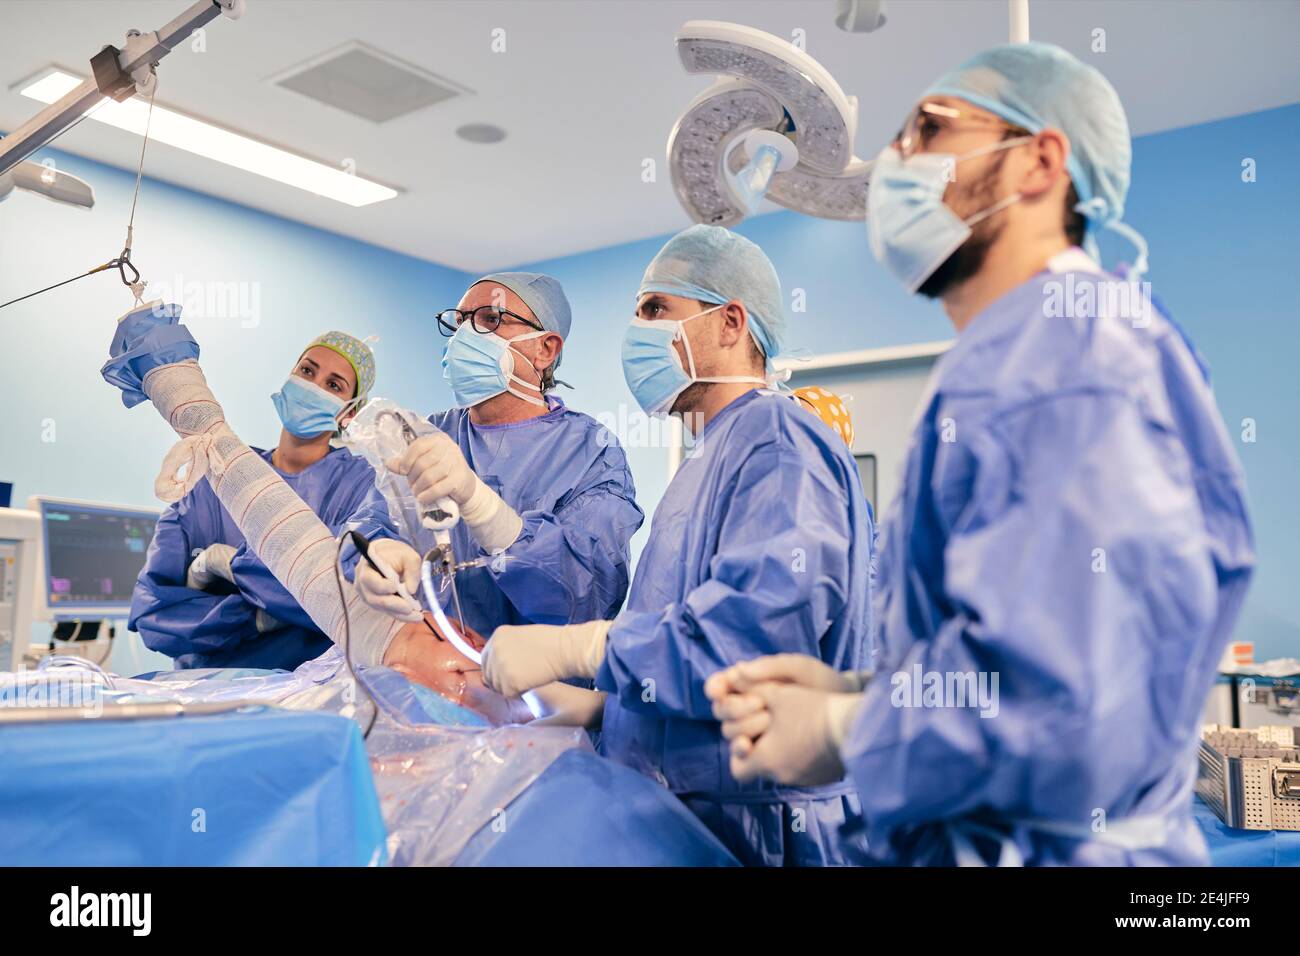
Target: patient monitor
{"points": [[87, 558], [19, 542]]}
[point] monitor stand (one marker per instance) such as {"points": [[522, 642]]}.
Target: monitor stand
{"points": [[91, 639]]}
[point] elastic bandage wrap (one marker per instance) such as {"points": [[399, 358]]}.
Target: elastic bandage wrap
{"points": [[278, 525]]}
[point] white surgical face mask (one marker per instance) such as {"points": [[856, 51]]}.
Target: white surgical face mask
{"points": [[911, 230], [307, 410], [653, 369], [481, 365]]}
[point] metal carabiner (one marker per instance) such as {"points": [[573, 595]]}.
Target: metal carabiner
{"points": [[123, 262]]}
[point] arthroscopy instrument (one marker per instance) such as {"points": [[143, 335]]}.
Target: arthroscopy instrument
{"points": [[440, 560]]}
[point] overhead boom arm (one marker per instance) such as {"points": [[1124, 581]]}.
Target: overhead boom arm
{"points": [[118, 74]]}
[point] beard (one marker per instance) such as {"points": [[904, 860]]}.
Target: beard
{"points": [[962, 264], [689, 399], [968, 259]]}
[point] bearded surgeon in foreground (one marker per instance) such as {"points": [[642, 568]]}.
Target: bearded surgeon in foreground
{"points": [[1072, 521]]}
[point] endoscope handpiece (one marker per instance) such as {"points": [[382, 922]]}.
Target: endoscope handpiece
{"points": [[441, 516]]}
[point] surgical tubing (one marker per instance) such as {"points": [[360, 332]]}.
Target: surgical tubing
{"points": [[279, 526]]}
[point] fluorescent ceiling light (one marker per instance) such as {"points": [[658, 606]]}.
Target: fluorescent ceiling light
{"points": [[204, 139]]}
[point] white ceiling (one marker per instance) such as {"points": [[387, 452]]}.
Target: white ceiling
{"points": [[587, 90]]}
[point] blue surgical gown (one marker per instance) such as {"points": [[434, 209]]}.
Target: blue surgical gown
{"points": [[1073, 520], [218, 628], [762, 544], [567, 477]]}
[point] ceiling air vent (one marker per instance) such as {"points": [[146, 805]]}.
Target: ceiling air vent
{"points": [[361, 80]]}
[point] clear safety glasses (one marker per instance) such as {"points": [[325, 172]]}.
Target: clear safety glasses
{"points": [[930, 120]]}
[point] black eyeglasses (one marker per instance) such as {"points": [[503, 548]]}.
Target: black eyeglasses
{"points": [[485, 319]]}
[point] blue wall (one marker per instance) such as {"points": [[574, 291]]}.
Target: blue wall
{"points": [[290, 282], [1222, 254], [1218, 247]]}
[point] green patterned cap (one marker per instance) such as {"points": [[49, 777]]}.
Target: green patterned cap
{"points": [[359, 355]]}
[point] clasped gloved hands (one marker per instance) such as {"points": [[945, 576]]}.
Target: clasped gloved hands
{"points": [[786, 716], [436, 469], [521, 657]]}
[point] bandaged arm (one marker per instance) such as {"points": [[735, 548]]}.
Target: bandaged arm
{"points": [[280, 527]]}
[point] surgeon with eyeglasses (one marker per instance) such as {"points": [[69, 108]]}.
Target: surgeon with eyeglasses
{"points": [[544, 488], [1072, 521]]}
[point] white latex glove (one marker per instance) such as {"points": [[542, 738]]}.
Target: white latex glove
{"points": [[211, 564], [794, 738], [436, 469], [797, 669], [520, 657], [265, 623], [391, 592], [564, 705]]}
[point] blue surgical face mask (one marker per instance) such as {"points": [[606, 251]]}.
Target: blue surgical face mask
{"points": [[307, 410], [911, 230], [653, 369], [480, 366]]}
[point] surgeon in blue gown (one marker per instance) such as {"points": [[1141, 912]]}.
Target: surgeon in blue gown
{"points": [[542, 489], [762, 543], [203, 597], [1072, 520]]}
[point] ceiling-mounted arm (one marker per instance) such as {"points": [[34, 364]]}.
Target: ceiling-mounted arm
{"points": [[118, 74], [1019, 10]]}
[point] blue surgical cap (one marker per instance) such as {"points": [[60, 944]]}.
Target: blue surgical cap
{"points": [[1039, 86], [715, 265], [542, 294]]}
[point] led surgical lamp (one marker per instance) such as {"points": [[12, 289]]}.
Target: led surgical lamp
{"points": [[775, 125], [47, 181]]}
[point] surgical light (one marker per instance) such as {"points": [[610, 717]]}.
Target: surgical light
{"points": [[48, 182], [204, 139], [774, 125]]}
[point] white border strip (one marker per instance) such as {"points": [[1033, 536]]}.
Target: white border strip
{"points": [[885, 356]]}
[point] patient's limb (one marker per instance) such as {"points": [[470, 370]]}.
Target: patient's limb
{"points": [[419, 655], [300, 551], [280, 528]]}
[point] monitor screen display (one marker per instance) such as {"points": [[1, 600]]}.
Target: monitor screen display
{"points": [[93, 555]]}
